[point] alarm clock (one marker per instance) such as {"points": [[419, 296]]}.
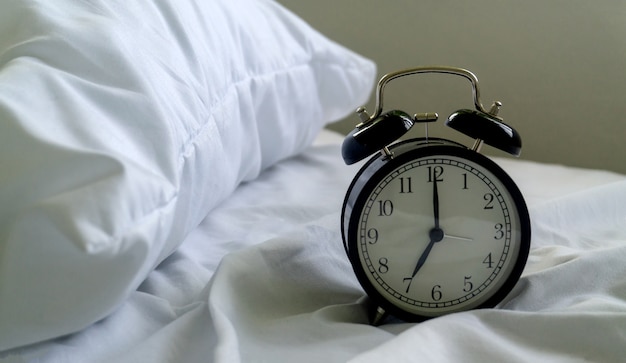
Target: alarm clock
{"points": [[430, 226]]}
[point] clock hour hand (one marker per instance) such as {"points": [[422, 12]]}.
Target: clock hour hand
{"points": [[436, 235], [423, 257]]}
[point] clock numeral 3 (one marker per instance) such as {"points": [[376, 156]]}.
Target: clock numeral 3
{"points": [[499, 231]]}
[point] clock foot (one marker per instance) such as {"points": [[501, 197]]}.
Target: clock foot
{"points": [[378, 316]]}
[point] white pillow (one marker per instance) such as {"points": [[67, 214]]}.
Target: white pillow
{"points": [[123, 123]]}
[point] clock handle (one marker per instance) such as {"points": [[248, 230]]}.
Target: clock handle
{"points": [[377, 131], [428, 69]]}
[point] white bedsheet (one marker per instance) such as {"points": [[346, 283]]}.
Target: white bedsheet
{"points": [[265, 278]]}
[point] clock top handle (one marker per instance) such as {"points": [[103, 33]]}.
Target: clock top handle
{"points": [[481, 125], [380, 87], [377, 131]]}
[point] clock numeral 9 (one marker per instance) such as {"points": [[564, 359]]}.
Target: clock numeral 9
{"points": [[372, 235]]}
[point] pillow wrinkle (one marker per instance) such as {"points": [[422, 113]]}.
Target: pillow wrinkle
{"points": [[110, 125]]}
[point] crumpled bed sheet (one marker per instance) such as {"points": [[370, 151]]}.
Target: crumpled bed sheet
{"points": [[265, 278]]}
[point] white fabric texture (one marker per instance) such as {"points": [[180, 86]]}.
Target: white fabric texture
{"points": [[264, 278], [122, 124]]}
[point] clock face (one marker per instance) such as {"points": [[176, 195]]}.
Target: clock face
{"points": [[439, 231]]}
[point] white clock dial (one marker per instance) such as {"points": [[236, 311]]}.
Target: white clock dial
{"points": [[439, 234]]}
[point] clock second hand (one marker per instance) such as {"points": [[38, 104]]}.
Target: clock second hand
{"points": [[457, 237]]}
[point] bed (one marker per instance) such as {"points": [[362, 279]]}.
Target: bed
{"points": [[170, 194]]}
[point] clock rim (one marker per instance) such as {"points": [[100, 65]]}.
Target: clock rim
{"points": [[378, 167]]}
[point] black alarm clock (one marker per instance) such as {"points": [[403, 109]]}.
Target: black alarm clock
{"points": [[430, 226]]}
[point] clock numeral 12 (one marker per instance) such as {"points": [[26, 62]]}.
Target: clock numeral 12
{"points": [[435, 173]]}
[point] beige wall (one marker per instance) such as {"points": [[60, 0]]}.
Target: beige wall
{"points": [[558, 66]]}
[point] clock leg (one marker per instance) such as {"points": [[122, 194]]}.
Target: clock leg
{"points": [[378, 316]]}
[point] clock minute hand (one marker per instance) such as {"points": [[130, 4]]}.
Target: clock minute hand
{"points": [[436, 202]]}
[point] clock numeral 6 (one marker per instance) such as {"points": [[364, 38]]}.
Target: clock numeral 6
{"points": [[436, 293]]}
